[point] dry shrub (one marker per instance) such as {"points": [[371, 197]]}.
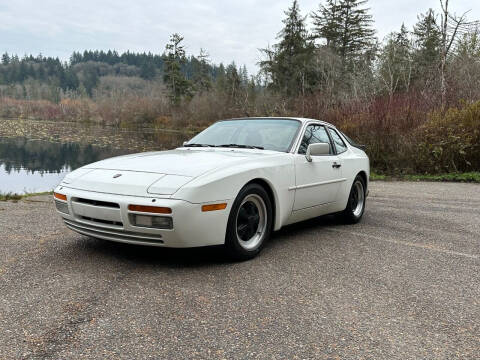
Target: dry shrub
{"points": [[83, 109], [405, 133], [163, 122], [41, 109], [386, 125]]}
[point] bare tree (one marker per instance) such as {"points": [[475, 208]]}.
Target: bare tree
{"points": [[451, 26]]}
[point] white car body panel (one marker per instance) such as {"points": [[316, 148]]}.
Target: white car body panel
{"points": [[184, 179], [317, 182]]}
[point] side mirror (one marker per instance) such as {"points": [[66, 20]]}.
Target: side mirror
{"points": [[185, 143], [316, 150]]}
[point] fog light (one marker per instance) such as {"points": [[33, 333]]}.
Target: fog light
{"points": [[62, 207], [155, 222]]}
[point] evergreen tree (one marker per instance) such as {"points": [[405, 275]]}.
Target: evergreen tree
{"points": [[327, 23], [202, 78], [69, 80], [220, 78], [175, 80], [402, 38], [22, 72], [147, 70], [346, 26], [244, 75], [289, 65], [5, 59], [468, 45], [427, 43], [90, 79], [233, 81], [395, 62], [41, 73]]}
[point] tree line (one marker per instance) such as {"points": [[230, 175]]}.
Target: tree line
{"points": [[83, 72], [332, 51], [340, 56]]}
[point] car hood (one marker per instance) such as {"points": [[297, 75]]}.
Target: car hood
{"points": [[176, 162], [155, 173]]}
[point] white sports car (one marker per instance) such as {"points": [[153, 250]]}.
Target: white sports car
{"points": [[232, 185]]}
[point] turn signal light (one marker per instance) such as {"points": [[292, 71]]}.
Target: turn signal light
{"points": [[60, 196], [150, 209], [214, 207]]}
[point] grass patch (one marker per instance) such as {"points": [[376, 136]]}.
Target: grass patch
{"points": [[471, 177], [458, 177], [16, 197], [374, 176], [10, 196]]}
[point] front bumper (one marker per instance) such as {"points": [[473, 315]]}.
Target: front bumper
{"points": [[108, 219]]}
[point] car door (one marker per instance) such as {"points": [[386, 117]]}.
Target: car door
{"points": [[318, 181]]}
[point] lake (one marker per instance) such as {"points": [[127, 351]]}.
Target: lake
{"points": [[38, 160]]}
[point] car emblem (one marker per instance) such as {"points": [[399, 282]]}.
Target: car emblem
{"points": [[116, 176]]}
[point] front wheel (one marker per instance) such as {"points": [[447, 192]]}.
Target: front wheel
{"points": [[249, 223], [356, 202]]}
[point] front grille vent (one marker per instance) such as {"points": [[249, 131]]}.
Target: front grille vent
{"points": [[101, 221], [97, 203], [114, 234]]}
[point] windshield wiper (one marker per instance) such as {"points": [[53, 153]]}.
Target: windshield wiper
{"points": [[198, 145], [241, 146]]}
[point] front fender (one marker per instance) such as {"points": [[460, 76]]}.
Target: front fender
{"points": [[225, 184]]}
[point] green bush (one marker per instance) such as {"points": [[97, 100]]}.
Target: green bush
{"points": [[450, 141]]}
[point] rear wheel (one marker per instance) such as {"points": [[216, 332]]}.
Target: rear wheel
{"points": [[356, 202], [249, 223]]}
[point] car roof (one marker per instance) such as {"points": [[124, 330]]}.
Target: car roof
{"points": [[302, 120]]}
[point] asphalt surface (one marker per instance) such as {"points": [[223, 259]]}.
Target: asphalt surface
{"points": [[403, 284]]}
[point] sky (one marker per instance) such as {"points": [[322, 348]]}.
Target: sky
{"points": [[228, 30]]}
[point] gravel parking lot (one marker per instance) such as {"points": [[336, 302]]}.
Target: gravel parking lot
{"points": [[403, 284]]}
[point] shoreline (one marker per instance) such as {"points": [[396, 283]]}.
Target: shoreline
{"points": [[16, 197]]}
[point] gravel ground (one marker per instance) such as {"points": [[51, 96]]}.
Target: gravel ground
{"points": [[403, 284]]}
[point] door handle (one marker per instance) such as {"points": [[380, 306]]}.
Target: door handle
{"points": [[336, 165]]}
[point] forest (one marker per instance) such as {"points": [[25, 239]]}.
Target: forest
{"points": [[413, 97]]}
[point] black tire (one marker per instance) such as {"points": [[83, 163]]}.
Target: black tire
{"points": [[250, 197], [351, 214]]}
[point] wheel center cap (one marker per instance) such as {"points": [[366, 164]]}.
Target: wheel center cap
{"points": [[252, 220]]}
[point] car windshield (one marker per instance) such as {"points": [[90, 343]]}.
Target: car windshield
{"points": [[268, 134]]}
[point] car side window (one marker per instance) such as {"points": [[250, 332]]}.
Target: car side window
{"points": [[339, 144], [314, 134]]}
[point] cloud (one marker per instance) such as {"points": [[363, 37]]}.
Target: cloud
{"points": [[228, 30]]}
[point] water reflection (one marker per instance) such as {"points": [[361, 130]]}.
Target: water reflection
{"points": [[47, 157], [28, 165], [36, 165], [21, 181]]}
